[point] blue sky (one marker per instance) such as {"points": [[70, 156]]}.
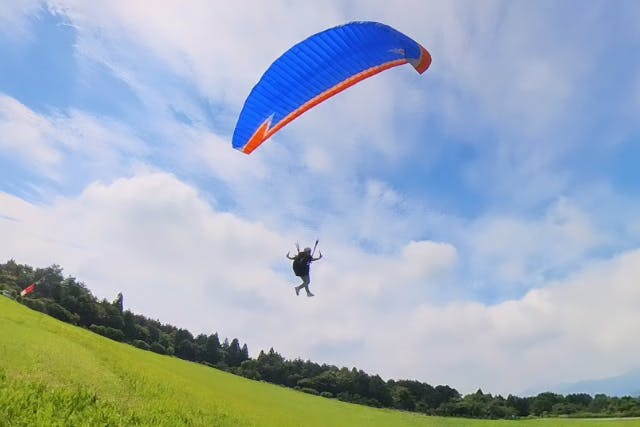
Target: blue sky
{"points": [[475, 220]]}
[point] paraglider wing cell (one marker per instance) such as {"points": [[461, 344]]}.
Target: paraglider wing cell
{"points": [[318, 68]]}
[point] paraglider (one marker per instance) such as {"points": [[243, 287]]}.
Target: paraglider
{"points": [[318, 68], [301, 264]]}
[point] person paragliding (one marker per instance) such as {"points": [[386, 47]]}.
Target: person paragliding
{"points": [[301, 266]]}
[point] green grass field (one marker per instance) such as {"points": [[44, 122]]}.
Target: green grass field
{"points": [[55, 374]]}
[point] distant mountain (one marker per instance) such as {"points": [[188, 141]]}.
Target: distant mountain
{"points": [[627, 384]]}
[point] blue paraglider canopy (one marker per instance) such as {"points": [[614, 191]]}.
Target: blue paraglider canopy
{"points": [[318, 68]]}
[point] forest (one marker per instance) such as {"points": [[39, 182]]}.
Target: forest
{"points": [[69, 300]]}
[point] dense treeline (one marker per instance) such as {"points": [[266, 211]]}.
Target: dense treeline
{"points": [[70, 301]]}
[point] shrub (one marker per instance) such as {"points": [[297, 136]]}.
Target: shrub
{"points": [[34, 304], [111, 333], [141, 344], [156, 347], [61, 313], [309, 390]]}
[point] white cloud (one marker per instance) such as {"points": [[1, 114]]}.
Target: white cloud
{"points": [[205, 151], [319, 159], [220, 47], [563, 332], [507, 83], [25, 133], [524, 251], [150, 236], [48, 143], [425, 259], [14, 18]]}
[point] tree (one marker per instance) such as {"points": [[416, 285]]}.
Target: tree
{"points": [[475, 404], [234, 354], [249, 369], [119, 302], [378, 390], [130, 323], [181, 335], [200, 343], [520, 404], [581, 399], [271, 367], [442, 394], [402, 398], [186, 350], [60, 313], [543, 403], [599, 403], [212, 349], [158, 348], [141, 333], [359, 382], [498, 408], [244, 353], [50, 282]]}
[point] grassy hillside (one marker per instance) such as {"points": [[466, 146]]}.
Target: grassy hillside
{"points": [[52, 373]]}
